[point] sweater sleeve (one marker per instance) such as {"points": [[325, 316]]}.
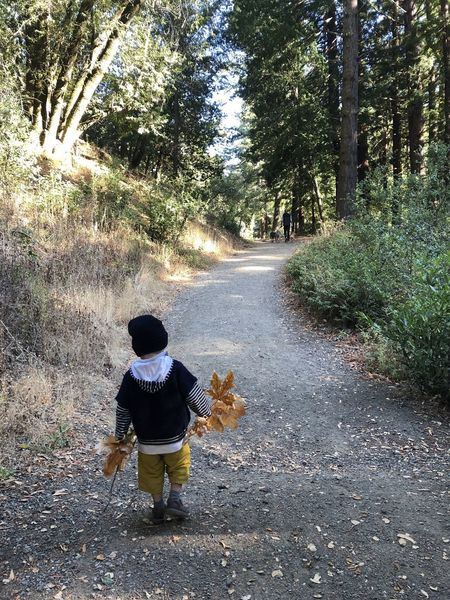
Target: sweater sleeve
{"points": [[199, 402], [123, 415], [192, 393]]}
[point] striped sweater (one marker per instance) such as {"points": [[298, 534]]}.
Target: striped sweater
{"points": [[159, 410]]}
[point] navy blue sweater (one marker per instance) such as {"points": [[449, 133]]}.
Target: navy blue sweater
{"points": [[159, 411]]}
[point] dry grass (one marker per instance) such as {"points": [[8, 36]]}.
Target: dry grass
{"points": [[209, 240], [67, 291], [36, 405]]}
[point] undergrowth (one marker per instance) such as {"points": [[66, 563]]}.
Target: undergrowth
{"points": [[81, 252], [387, 272]]}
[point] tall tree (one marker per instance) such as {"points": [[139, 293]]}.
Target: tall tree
{"points": [[332, 54], [395, 101], [446, 67], [415, 92], [348, 156]]}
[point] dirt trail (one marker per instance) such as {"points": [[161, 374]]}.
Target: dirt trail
{"points": [[306, 500]]}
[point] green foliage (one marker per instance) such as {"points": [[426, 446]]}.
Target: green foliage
{"points": [[6, 473], [236, 197], [340, 278], [284, 83], [387, 271], [59, 438], [420, 326], [15, 160]]}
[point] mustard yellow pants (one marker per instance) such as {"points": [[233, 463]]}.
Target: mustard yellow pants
{"points": [[151, 469]]}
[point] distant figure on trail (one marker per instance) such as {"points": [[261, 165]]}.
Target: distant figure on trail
{"points": [[155, 397], [274, 236], [287, 225]]}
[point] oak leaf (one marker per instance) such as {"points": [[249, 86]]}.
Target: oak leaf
{"points": [[226, 407], [118, 452]]}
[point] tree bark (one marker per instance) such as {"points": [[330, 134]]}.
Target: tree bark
{"points": [[446, 67], [333, 81], [348, 160], [65, 75], [71, 129], [363, 154], [415, 100], [294, 207], [276, 211], [318, 197], [395, 109]]}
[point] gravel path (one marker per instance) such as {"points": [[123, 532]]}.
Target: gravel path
{"points": [[334, 486]]}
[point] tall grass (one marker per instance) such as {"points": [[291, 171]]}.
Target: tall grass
{"points": [[81, 252]]}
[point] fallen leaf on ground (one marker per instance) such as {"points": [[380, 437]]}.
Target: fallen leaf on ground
{"points": [[10, 578], [317, 578], [405, 536], [277, 573]]}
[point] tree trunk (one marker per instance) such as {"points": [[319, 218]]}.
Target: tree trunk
{"points": [[333, 81], [313, 214], [176, 151], [276, 211], [395, 110], [294, 208], [348, 160], [318, 197], [68, 64], [446, 67], [432, 123], [62, 128], [71, 131], [363, 154], [415, 101], [37, 76]]}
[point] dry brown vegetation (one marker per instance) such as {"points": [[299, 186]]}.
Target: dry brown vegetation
{"points": [[67, 288]]}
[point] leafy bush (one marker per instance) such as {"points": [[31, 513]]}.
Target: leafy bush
{"points": [[15, 158], [387, 271], [420, 327], [340, 279]]}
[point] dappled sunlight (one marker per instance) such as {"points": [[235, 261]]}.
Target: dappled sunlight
{"points": [[277, 257], [254, 268], [236, 259], [205, 245], [253, 257], [208, 282]]}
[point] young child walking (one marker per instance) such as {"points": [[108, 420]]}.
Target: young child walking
{"points": [[155, 396]]}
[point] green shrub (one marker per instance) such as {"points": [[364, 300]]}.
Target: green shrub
{"points": [[420, 328], [387, 271], [343, 277]]}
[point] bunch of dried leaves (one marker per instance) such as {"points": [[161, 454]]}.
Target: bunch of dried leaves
{"points": [[226, 407], [118, 452]]}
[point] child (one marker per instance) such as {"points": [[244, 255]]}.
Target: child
{"points": [[155, 396]]}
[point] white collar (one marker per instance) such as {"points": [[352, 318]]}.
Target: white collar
{"points": [[152, 369]]}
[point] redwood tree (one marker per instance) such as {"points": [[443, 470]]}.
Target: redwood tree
{"points": [[348, 155]]}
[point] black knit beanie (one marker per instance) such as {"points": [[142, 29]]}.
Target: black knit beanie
{"points": [[147, 335]]}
